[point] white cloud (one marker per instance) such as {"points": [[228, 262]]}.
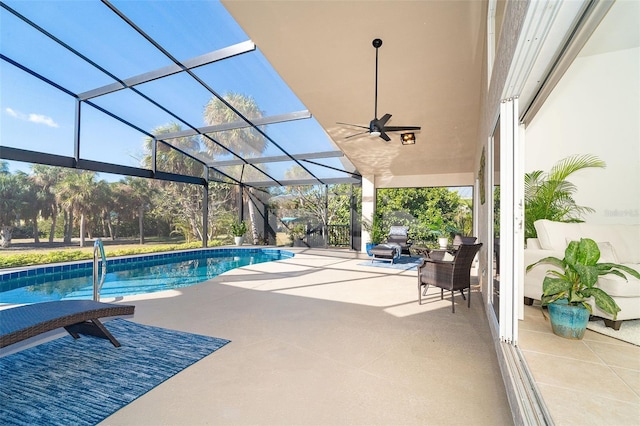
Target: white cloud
{"points": [[12, 113], [34, 118], [42, 119]]}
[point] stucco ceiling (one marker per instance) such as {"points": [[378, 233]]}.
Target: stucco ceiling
{"points": [[430, 74]]}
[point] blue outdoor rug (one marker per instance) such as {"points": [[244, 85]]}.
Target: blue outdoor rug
{"points": [[81, 382], [404, 263]]}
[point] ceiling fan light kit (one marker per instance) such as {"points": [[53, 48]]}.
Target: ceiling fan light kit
{"points": [[378, 127], [408, 138]]}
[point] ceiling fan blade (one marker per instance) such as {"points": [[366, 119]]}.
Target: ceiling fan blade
{"points": [[400, 128], [384, 136], [384, 120], [356, 134], [354, 125]]}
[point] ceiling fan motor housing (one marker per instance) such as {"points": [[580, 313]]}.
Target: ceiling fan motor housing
{"points": [[374, 130]]}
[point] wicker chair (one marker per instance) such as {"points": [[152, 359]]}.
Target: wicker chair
{"points": [[400, 235], [459, 239], [448, 275]]}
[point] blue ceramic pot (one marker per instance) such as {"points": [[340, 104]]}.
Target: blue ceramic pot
{"points": [[369, 247], [568, 321]]}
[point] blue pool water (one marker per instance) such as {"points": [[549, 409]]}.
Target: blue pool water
{"points": [[128, 276]]}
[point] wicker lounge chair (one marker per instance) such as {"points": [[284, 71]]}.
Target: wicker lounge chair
{"points": [[389, 252], [76, 316], [400, 235]]}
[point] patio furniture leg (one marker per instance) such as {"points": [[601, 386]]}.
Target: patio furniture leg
{"points": [[91, 327]]}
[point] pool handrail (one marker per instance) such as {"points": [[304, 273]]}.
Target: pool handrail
{"points": [[98, 246]]}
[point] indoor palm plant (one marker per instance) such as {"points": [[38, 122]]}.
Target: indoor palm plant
{"points": [[550, 195], [567, 290]]}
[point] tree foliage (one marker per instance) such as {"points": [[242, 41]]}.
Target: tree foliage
{"points": [[429, 212]]}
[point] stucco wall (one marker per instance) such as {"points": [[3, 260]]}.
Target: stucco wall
{"points": [[594, 109]]}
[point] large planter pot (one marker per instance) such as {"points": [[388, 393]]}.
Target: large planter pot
{"points": [[568, 321], [443, 242], [239, 240]]}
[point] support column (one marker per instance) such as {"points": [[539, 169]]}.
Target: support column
{"points": [[76, 133], [205, 209], [325, 230], [241, 203], [368, 207]]}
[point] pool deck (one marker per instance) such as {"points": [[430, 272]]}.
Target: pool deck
{"points": [[320, 340]]}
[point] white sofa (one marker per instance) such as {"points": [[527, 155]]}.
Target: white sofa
{"points": [[617, 244]]}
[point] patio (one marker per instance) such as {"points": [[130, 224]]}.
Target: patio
{"points": [[317, 339], [325, 329]]}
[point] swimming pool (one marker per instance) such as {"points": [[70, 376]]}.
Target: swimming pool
{"points": [[128, 275]]}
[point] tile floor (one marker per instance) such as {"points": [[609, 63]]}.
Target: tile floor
{"points": [[595, 381]]}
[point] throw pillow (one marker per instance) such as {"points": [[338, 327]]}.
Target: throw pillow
{"points": [[399, 230]]}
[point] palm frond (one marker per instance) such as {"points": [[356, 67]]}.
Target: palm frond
{"points": [[550, 195]]}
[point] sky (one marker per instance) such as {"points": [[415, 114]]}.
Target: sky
{"points": [[35, 116]]}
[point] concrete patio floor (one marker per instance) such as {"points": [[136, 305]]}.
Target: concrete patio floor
{"points": [[320, 340]]}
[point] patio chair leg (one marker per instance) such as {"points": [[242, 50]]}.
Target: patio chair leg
{"points": [[422, 292], [441, 294], [453, 305], [462, 293]]}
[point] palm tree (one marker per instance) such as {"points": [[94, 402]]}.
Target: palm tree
{"points": [[184, 200], [76, 193], [10, 206], [46, 178], [550, 195], [102, 206], [140, 193], [246, 141], [32, 203], [171, 160]]}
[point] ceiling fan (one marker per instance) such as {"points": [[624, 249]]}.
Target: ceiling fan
{"points": [[378, 127]]}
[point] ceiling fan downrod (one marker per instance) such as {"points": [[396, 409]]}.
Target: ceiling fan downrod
{"points": [[376, 43]]}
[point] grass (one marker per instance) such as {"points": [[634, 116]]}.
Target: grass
{"points": [[26, 252]]}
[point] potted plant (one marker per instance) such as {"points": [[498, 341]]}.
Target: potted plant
{"points": [[238, 229], [551, 196], [443, 231], [376, 234], [567, 290]]}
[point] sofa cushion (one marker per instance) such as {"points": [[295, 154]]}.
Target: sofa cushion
{"points": [[554, 235], [607, 253], [618, 287], [625, 239]]}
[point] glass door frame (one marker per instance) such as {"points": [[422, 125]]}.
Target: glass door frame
{"points": [[511, 181]]}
